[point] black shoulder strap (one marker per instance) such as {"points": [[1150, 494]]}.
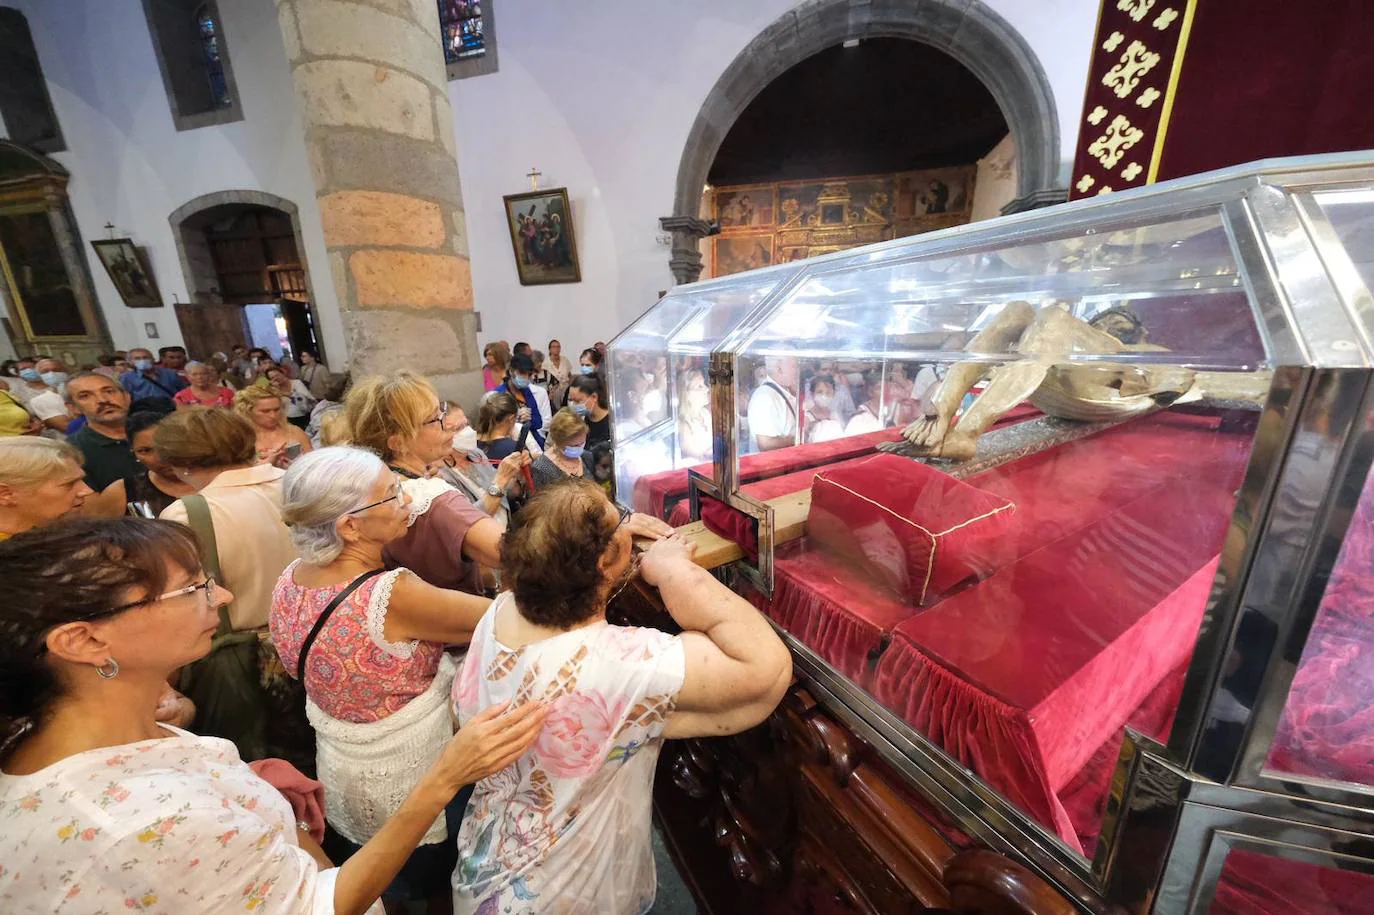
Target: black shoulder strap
{"points": [[324, 618], [786, 398]]}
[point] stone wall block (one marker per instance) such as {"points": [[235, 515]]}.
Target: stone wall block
{"points": [[407, 279], [330, 28], [368, 218], [367, 160], [290, 32], [425, 342], [346, 93], [424, 13]]}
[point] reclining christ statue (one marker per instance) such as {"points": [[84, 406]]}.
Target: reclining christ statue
{"points": [[1084, 391]]}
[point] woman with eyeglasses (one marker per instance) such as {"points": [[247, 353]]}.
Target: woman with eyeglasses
{"points": [[566, 828], [368, 645], [106, 808], [402, 419]]}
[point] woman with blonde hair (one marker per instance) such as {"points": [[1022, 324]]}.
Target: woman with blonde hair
{"points": [[41, 480], [402, 419], [496, 355], [278, 442], [567, 442]]}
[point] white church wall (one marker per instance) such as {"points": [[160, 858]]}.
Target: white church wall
{"points": [[130, 167], [600, 97]]}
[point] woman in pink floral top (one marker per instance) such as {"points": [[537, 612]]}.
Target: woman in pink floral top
{"points": [[104, 809], [376, 677], [566, 828]]}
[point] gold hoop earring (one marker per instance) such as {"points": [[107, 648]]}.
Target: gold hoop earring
{"points": [[111, 672]]}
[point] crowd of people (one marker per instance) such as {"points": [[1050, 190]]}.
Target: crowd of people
{"points": [[274, 640]]}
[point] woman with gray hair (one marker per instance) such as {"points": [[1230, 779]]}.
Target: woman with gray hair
{"points": [[368, 644]]}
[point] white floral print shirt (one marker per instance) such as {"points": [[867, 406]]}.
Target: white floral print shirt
{"points": [[177, 825], [566, 828]]}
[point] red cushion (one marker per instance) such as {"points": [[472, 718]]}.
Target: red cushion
{"points": [[918, 529]]}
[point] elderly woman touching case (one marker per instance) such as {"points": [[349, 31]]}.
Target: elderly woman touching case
{"points": [[566, 828], [369, 647], [106, 809]]}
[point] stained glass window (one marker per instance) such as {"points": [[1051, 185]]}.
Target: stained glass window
{"points": [[208, 29], [464, 35]]}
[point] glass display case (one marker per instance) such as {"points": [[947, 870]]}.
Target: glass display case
{"points": [[1069, 509]]}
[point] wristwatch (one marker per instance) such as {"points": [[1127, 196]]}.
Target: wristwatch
{"points": [[495, 491]]}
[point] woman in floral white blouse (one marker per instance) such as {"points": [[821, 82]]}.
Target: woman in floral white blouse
{"points": [[105, 810]]}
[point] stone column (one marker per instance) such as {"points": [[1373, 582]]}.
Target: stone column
{"points": [[687, 231], [370, 78]]}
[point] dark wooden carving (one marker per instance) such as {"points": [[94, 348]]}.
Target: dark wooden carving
{"points": [[798, 816]]}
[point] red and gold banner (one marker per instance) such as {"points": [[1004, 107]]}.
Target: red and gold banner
{"points": [[1132, 81]]}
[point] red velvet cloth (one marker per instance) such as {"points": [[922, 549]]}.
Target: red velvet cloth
{"points": [[732, 524], [659, 494], [1253, 883], [1103, 578], [1327, 727], [916, 528]]}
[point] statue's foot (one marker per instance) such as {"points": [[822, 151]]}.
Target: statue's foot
{"points": [[927, 433], [953, 448]]}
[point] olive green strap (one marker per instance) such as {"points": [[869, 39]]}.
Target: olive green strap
{"points": [[203, 526]]}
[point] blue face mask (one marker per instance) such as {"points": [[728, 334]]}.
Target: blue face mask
{"points": [[30, 375], [587, 369], [573, 452], [54, 379], [579, 408], [520, 381], [143, 365]]}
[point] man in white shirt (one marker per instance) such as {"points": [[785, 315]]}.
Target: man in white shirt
{"points": [[773, 405], [43, 393]]}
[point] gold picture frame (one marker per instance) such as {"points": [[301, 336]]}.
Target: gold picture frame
{"points": [[542, 237]]}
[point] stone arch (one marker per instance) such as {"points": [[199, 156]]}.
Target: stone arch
{"points": [[966, 30], [188, 223]]}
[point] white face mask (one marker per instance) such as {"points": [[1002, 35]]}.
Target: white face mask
{"points": [[465, 439], [823, 400]]}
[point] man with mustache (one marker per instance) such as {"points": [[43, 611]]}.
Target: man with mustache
{"points": [[109, 459]]}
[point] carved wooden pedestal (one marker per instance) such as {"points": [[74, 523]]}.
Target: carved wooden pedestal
{"points": [[795, 816]]}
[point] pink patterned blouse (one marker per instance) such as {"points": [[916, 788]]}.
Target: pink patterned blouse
{"points": [[353, 673]]}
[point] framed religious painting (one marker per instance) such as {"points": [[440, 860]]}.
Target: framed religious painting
{"points": [[541, 235], [129, 272]]}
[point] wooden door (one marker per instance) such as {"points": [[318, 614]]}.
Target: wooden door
{"points": [[208, 329]]}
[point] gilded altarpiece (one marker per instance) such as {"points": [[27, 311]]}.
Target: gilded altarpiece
{"points": [[762, 224]]}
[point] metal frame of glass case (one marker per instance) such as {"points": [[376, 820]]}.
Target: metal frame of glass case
{"points": [[1312, 451]]}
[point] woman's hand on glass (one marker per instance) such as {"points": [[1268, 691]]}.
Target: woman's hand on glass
{"points": [[659, 560], [642, 525], [508, 471], [492, 740]]}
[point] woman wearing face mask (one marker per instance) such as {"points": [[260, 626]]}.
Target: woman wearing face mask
{"points": [[532, 400], [497, 489], [821, 422], [587, 398], [563, 457]]}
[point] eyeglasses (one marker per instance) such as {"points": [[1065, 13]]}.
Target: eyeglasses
{"points": [[395, 494], [208, 586], [443, 415], [625, 514]]}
